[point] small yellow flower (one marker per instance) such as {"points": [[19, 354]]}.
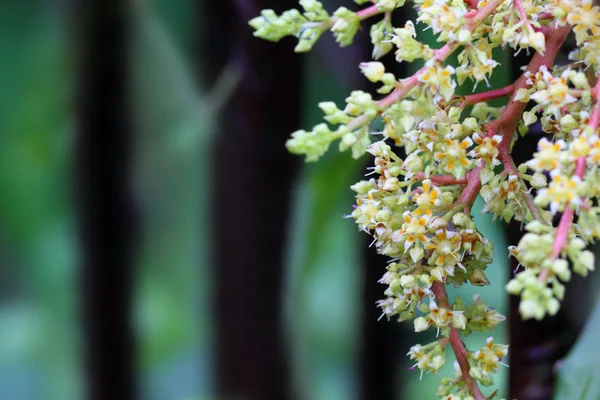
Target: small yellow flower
{"points": [[561, 191], [594, 156], [445, 245], [413, 230], [585, 18], [489, 356], [454, 156], [439, 79], [486, 150], [427, 199], [548, 156]]}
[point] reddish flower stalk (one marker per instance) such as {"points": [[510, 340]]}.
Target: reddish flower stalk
{"points": [[566, 219], [522, 13], [441, 180], [468, 196], [471, 99], [505, 126], [460, 351]]}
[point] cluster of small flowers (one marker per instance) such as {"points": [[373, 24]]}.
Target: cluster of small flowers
{"points": [[482, 364], [309, 25], [417, 206], [585, 18], [431, 241], [565, 102]]}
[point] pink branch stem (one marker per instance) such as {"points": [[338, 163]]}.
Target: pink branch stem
{"points": [[471, 99], [562, 230], [440, 180], [522, 14], [460, 351]]}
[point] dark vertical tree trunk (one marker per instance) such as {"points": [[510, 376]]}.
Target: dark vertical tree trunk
{"points": [[105, 212], [251, 198], [382, 340]]}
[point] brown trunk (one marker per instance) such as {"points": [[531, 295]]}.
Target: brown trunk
{"points": [[251, 198], [104, 204]]}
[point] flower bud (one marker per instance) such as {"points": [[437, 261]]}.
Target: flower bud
{"points": [[407, 281], [478, 278], [372, 70], [421, 324]]}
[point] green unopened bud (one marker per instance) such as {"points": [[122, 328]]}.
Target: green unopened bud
{"points": [[475, 373], [421, 324], [568, 123], [478, 278], [454, 113], [461, 219], [561, 269], [372, 70], [514, 287], [407, 281], [538, 180], [470, 125], [552, 305]]}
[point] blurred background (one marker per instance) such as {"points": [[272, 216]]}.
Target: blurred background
{"points": [[157, 241]]}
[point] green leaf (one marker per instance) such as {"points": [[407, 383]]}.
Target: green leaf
{"points": [[578, 373]]}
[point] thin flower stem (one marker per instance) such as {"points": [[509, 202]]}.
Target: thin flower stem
{"points": [[440, 180], [460, 351], [511, 169], [522, 14], [471, 99], [363, 14], [562, 231]]}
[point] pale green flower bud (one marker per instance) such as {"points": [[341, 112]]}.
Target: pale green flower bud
{"points": [[348, 140], [413, 163], [389, 5], [537, 40], [447, 198], [478, 278], [416, 253], [579, 79], [568, 123], [470, 125], [514, 287], [538, 180], [486, 174], [464, 36], [328, 107], [391, 185], [552, 305], [380, 36], [372, 70], [522, 95], [584, 262], [529, 118], [345, 27], [439, 274], [437, 362], [459, 321], [408, 281], [531, 309], [421, 324], [363, 187], [561, 269], [454, 113], [475, 373], [461, 219]]}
